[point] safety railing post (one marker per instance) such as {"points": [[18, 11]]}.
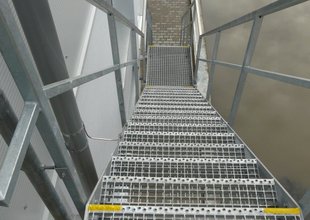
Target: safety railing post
{"points": [[197, 60], [116, 60], [133, 40], [212, 66], [246, 62]]}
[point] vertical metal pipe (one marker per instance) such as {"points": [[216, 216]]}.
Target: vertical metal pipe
{"points": [[32, 165], [116, 60], [212, 67], [38, 25], [257, 23]]}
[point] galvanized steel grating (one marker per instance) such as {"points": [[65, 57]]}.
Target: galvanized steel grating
{"points": [[174, 127], [185, 192], [180, 150], [184, 167], [184, 213], [179, 137], [176, 119], [179, 159]]}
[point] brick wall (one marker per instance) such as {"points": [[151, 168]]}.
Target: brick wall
{"points": [[166, 17]]}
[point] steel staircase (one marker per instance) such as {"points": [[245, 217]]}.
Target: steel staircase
{"points": [[179, 159]]}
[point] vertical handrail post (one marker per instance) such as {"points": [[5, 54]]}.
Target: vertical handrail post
{"points": [[134, 56], [116, 60], [197, 60], [212, 67], [257, 23]]}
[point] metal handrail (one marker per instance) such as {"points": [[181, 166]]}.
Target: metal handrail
{"points": [[36, 97], [106, 7], [257, 18]]}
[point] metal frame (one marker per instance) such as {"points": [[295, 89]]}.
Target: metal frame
{"points": [[17, 150], [257, 17], [19, 60]]}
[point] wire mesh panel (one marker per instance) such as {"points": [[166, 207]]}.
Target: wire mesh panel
{"points": [[179, 137], [188, 192], [173, 150], [169, 66], [174, 127], [184, 168]]}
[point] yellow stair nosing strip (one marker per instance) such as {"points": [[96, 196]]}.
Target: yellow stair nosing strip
{"points": [[288, 211], [103, 207]]}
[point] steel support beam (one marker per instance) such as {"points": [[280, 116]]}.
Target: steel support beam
{"points": [[116, 60], [134, 55], [17, 150], [257, 23], [20, 63], [106, 6], [266, 10], [212, 67], [32, 165]]}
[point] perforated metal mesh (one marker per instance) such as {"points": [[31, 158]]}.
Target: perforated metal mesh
{"points": [[169, 66]]}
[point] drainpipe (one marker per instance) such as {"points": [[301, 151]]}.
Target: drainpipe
{"points": [[38, 25], [32, 165]]}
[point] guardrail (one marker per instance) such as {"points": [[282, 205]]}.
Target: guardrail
{"points": [[257, 18], [37, 109]]}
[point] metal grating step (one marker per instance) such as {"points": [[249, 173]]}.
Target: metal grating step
{"points": [[173, 127], [171, 89], [176, 119], [180, 137], [185, 213], [177, 99], [176, 95], [188, 192], [172, 107], [180, 150], [175, 112], [174, 104], [184, 167], [169, 66]]}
